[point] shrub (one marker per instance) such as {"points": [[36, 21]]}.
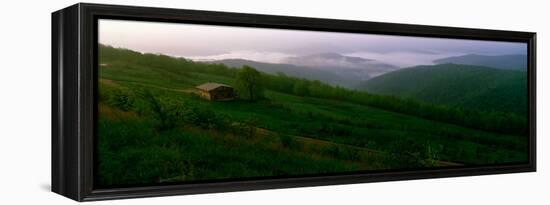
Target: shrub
{"points": [[206, 118], [167, 112], [121, 99], [289, 142]]}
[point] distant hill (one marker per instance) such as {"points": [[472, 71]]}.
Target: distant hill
{"points": [[343, 65], [309, 73], [330, 68], [509, 62], [475, 87], [337, 58]]}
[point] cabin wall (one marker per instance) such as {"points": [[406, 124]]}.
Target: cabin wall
{"points": [[222, 93], [205, 95]]}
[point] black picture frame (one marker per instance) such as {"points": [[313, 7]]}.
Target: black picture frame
{"points": [[74, 79]]}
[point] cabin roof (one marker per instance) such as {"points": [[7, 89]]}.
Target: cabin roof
{"points": [[211, 86]]}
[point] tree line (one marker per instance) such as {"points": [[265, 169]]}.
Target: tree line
{"points": [[500, 122]]}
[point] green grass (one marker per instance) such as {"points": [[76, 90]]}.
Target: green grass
{"points": [[363, 126], [131, 151]]}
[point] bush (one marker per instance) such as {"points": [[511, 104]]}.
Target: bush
{"points": [[289, 142], [167, 112], [206, 118], [120, 99]]}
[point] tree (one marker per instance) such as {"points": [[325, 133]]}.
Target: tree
{"points": [[301, 88], [249, 84]]}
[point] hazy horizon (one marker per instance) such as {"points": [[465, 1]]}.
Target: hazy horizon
{"points": [[199, 42]]}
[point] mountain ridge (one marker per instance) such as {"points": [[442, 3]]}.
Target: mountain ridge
{"points": [[507, 62], [293, 71], [363, 67]]}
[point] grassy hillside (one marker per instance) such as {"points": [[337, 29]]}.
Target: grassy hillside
{"points": [[152, 128], [467, 86]]}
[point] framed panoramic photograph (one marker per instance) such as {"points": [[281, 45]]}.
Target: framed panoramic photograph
{"points": [[154, 102]]}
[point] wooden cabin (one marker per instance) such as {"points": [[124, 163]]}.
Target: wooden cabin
{"points": [[216, 91]]}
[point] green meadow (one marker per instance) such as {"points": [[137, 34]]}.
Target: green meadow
{"points": [[153, 127]]}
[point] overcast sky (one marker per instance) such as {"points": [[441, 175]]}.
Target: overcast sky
{"points": [[274, 45]]}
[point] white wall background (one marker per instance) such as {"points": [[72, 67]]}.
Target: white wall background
{"points": [[25, 102]]}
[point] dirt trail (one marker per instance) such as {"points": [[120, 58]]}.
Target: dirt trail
{"points": [[186, 90], [325, 143]]}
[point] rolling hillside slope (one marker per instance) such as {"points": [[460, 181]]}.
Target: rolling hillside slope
{"points": [[153, 129], [459, 85]]}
